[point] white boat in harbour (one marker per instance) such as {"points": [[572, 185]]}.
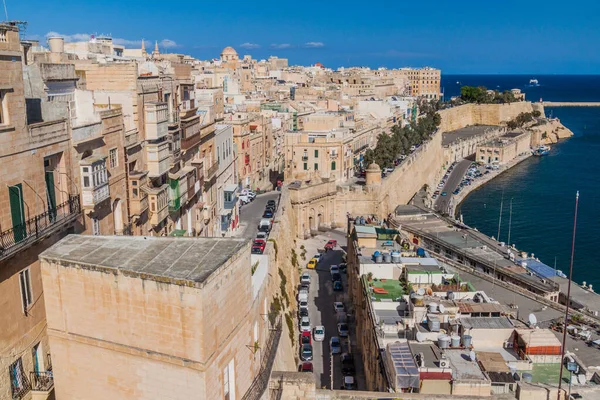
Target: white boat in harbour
{"points": [[533, 83]]}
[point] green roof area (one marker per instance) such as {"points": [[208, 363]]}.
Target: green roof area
{"points": [[392, 286], [547, 373], [178, 232]]}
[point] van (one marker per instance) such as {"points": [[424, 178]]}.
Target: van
{"points": [[264, 225], [303, 295]]}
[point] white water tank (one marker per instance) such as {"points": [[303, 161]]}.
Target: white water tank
{"points": [[56, 44], [433, 307], [444, 342]]}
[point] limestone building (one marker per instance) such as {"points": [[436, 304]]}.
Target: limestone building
{"points": [[147, 318], [423, 82], [504, 149]]}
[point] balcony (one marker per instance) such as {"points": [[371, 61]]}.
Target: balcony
{"points": [[212, 170], [139, 205], [132, 138], [174, 195], [230, 196], [156, 120], [174, 118], [94, 181], [158, 199], [304, 158], [42, 385], [22, 236], [158, 158]]}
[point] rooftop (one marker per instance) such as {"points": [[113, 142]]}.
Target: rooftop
{"points": [[538, 338], [177, 259], [462, 366], [466, 133], [386, 289], [431, 353], [487, 323]]}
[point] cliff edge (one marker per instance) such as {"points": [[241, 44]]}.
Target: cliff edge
{"points": [[550, 132]]}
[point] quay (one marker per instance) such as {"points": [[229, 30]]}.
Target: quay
{"points": [[477, 253], [570, 103]]}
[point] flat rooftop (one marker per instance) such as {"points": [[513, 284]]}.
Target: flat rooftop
{"points": [[462, 366], [180, 259], [431, 353], [487, 323], [466, 133], [389, 289]]}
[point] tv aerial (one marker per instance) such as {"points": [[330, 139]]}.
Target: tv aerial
{"points": [[532, 320]]}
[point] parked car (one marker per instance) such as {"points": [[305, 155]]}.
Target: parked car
{"points": [[319, 333], [249, 193], [338, 286], [303, 295], [304, 286], [306, 354], [303, 304], [312, 264], [302, 312], [338, 306], [305, 324], [258, 247], [268, 214], [334, 269], [306, 367], [349, 383], [343, 330], [318, 256], [347, 364], [343, 267], [330, 245], [336, 277], [271, 203], [305, 278], [444, 193], [305, 338], [335, 345], [262, 235]]}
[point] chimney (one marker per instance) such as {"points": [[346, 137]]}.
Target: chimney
{"points": [[56, 44]]}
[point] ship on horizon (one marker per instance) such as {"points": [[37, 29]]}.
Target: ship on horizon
{"points": [[533, 83]]}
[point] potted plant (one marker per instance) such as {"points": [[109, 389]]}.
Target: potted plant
{"points": [[370, 276]]}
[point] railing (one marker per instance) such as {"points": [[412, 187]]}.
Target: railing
{"points": [[212, 170], [16, 238], [42, 380], [131, 138], [261, 382], [173, 117]]}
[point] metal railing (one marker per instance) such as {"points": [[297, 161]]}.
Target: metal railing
{"points": [[41, 380], [212, 170], [19, 236], [261, 381]]}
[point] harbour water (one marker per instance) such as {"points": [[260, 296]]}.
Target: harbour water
{"points": [[542, 189]]}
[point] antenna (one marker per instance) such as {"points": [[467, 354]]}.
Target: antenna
{"points": [[532, 319], [5, 11], [472, 355]]}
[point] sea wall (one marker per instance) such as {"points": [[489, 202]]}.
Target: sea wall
{"points": [[482, 114], [549, 133]]}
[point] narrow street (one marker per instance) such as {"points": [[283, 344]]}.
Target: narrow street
{"points": [[251, 214], [321, 311]]}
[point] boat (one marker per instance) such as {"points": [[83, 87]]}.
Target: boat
{"points": [[533, 83], [541, 151]]}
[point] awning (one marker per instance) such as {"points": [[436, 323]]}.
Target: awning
{"points": [[178, 232], [231, 187]]}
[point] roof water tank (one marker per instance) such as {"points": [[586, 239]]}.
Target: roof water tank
{"points": [[455, 341], [378, 258], [527, 377], [433, 324], [418, 300], [433, 307], [450, 295], [396, 257], [444, 342], [420, 252], [467, 339], [387, 257]]}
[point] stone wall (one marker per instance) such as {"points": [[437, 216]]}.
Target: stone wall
{"points": [[481, 114]]}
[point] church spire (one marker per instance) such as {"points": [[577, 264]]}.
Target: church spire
{"points": [[144, 48], [155, 53]]}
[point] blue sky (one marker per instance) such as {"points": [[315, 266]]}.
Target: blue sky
{"points": [[540, 37]]}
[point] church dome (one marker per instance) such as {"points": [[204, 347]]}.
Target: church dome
{"points": [[229, 51]]}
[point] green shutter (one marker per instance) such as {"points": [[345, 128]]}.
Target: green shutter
{"points": [[333, 165], [51, 195], [17, 211]]}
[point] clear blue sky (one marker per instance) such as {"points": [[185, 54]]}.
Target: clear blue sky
{"points": [[541, 37]]}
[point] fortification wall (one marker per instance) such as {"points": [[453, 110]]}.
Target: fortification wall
{"points": [[482, 114]]}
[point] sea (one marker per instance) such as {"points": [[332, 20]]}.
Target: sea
{"points": [[541, 191]]}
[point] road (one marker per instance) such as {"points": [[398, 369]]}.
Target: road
{"points": [[251, 214], [321, 312], [452, 183]]}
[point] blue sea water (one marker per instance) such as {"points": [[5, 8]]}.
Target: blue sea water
{"points": [[542, 189]]}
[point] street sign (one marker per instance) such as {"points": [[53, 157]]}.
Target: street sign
{"points": [[572, 366]]}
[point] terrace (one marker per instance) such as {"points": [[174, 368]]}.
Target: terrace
{"points": [[386, 289]]}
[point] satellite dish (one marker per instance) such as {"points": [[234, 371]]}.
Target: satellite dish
{"points": [[420, 337], [442, 308], [532, 319], [421, 291], [472, 355]]}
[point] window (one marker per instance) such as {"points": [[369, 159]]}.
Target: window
{"points": [[333, 165], [218, 154], [228, 196], [229, 381], [3, 112], [95, 226], [25, 282], [135, 193], [113, 158], [316, 153], [305, 166], [18, 379], [316, 167], [97, 173]]}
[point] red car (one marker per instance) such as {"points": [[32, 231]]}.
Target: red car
{"points": [[306, 367], [258, 247], [331, 244], [305, 338]]}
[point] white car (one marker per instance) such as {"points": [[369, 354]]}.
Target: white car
{"points": [[246, 192], [319, 257], [319, 333], [334, 269], [305, 278], [262, 235], [305, 324], [338, 306], [303, 295]]}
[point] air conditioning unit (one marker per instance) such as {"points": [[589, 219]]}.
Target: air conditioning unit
{"points": [[508, 345], [444, 363]]}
